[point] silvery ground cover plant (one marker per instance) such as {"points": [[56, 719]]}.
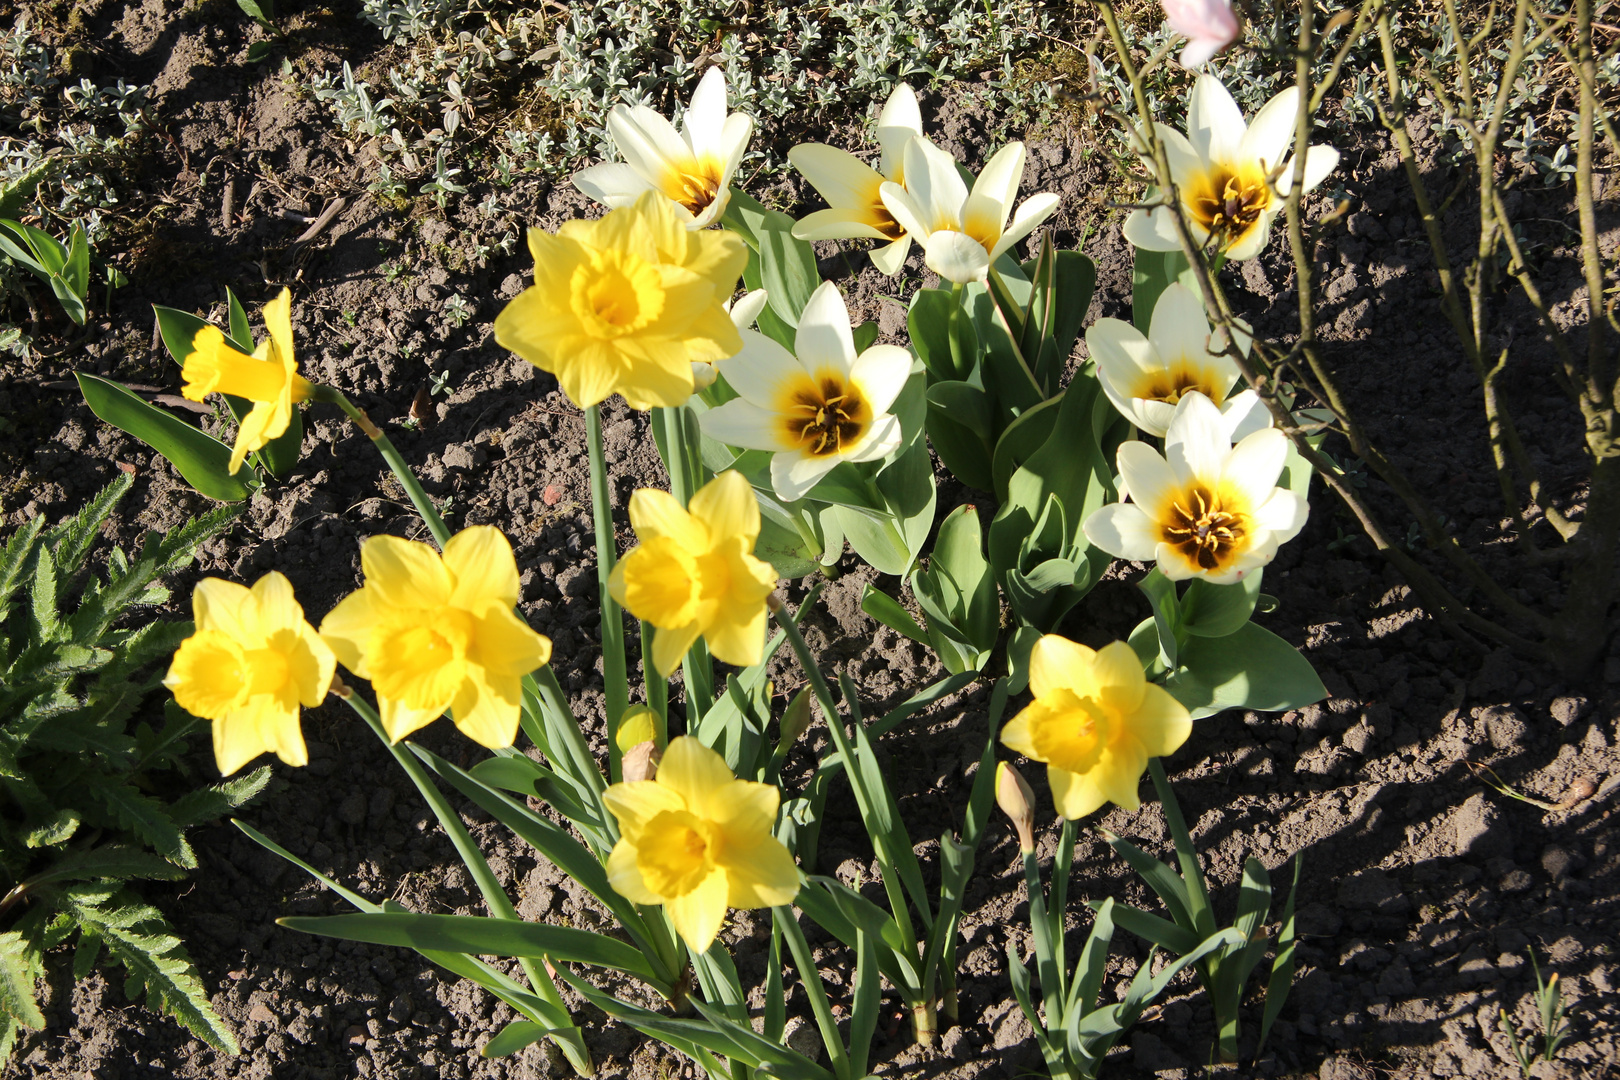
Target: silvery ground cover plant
{"points": [[749, 540]]}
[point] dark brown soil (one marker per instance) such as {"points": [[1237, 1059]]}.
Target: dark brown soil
{"points": [[1422, 890]]}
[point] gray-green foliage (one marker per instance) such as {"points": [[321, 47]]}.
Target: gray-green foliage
{"points": [[82, 811]]}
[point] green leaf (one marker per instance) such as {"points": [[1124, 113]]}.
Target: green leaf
{"points": [[72, 285], [514, 1037], [787, 265], [961, 424], [887, 610], [49, 256], [1159, 877], [1215, 611], [260, 11], [867, 1001], [211, 803], [942, 335], [1093, 963], [1249, 669], [480, 936], [203, 460], [1282, 968], [111, 862], [1020, 440], [20, 965], [55, 830], [1151, 275], [71, 541], [14, 560], [146, 818], [15, 193], [1161, 594]]}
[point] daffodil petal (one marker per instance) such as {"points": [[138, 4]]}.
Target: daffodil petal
{"points": [[405, 573], [625, 875], [487, 710], [347, 627], [1118, 672], [635, 803], [698, 915], [227, 607], [658, 514], [485, 570], [671, 644], [695, 773], [1056, 663], [727, 506], [1075, 794], [399, 719], [1161, 723], [760, 872]]}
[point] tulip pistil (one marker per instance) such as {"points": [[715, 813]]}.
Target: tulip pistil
{"points": [[1206, 534], [825, 415], [1229, 203], [696, 191]]}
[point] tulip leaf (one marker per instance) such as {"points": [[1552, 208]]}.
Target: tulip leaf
{"points": [[1020, 440], [1249, 669], [961, 423], [887, 610], [481, 936], [1151, 274], [787, 265], [202, 460], [1214, 611]]}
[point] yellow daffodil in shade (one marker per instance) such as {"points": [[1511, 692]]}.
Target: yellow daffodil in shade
{"points": [[1145, 377], [1206, 508], [269, 378], [824, 406], [626, 305], [694, 572], [692, 168], [853, 188], [1095, 721], [435, 632], [963, 232], [698, 841], [1223, 169], [251, 664]]}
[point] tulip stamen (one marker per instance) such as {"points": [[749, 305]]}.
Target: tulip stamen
{"points": [[1207, 534], [826, 416]]}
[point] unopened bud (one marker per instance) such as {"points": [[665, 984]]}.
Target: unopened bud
{"points": [[641, 762], [1017, 801], [796, 719], [635, 726]]}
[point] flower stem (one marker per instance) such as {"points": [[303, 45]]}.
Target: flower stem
{"points": [[615, 680], [686, 475], [391, 455], [500, 905]]}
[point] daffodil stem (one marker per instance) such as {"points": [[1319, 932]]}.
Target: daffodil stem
{"points": [[614, 677], [657, 685], [500, 905], [685, 477], [395, 461]]}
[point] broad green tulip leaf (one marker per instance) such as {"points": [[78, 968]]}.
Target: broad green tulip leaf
{"points": [[961, 424], [942, 336], [241, 331], [783, 548], [1215, 611], [1161, 594], [865, 335], [49, 255], [1151, 274], [1019, 646], [202, 460], [481, 937], [787, 265], [887, 610], [1249, 669], [1006, 373], [1075, 281], [1019, 442]]}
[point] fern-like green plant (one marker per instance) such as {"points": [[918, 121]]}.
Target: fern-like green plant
{"points": [[83, 806]]}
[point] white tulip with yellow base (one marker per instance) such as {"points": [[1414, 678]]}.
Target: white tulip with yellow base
{"points": [[1095, 721], [691, 167], [698, 841], [1145, 377], [1205, 509], [853, 189], [816, 409], [437, 632], [963, 232], [1224, 169]]}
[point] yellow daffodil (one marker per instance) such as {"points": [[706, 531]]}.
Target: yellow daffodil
{"points": [[691, 168], [694, 572], [269, 378], [436, 632], [249, 667], [963, 232], [852, 188], [824, 406], [1207, 508], [1095, 721], [1223, 171], [698, 841], [1145, 377], [626, 305]]}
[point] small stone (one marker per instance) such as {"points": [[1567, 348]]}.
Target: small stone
{"points": [[1558, 862], [1567, 710], [399, 1010], [802, 1038], [260, 1013], [352, 810], [458, 456], [1358, 738], [1374, 890], [1516, 881], [1504, 726], [1479, 831], [355, 1035]]}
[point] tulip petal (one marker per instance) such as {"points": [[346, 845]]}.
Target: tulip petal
{"points": [[742, 424], [1319, 162], [891, 257], [824, 337], [898, 123], [1196, 445], [905, 210], [879, 441], [1253, 466], [880, 373], [761, 370], [1148, 478], [706, 115], [985, 211], [612, 183], [843, 179], [1283, 514], [1124, 531], [1214, 122], [838, 224], [1179, 329], [1146, 230], [794, 475], [956, 256], [1244, 414], [1029, 216], [1268, 136]]}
